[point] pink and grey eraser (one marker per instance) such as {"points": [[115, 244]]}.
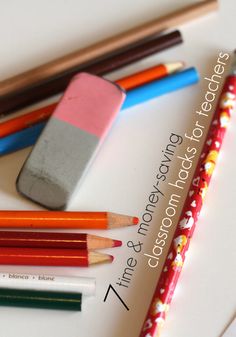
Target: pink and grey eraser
{"points": [[70, 140]]}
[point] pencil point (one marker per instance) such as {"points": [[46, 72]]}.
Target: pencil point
{"points": [[117, 243], [174, 67], [120, 220], [96, 258], [97, 242]]}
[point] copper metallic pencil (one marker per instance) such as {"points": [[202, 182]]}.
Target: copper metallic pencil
{"points": [[106, 47]]}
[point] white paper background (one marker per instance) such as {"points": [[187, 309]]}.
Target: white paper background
{"points": [[121, 177]]}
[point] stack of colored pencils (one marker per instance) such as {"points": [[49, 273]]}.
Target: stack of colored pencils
{"points": [[53, 249], [69, 249]]}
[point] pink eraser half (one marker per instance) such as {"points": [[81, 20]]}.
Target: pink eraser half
{"points": [[90, 103]]}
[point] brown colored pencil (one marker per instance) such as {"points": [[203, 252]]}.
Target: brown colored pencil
{"points": [[64, 220], [52, 257], [106, 47], [31, 94], [55, 240]]}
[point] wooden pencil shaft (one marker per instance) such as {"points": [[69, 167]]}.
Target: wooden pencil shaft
{"points": [[54, 85], [107, 46]]}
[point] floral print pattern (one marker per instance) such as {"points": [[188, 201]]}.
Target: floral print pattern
{"points": [[176, 255]]}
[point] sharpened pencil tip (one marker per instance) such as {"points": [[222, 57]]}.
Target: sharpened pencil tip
{"points": [[174, 67], [120, 220], [117, 243], [98, 258]]}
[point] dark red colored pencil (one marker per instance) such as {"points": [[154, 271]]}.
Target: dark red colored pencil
{"points": [[55, 240], [54, 85]]}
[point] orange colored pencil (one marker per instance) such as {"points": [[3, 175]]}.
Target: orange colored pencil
{"points": [[127, 83], [26, 120], [64, 220], [149, 75]]}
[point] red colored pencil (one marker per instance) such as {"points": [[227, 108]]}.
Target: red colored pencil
{"points": [[51, 257], [192, 207], [55, 240], [148, 75]]}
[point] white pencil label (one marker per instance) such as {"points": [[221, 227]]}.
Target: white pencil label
{"points": [[27, 277]]}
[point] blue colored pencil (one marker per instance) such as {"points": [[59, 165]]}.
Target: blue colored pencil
{"points": [[28, 137], [160, 87], [21, 139]]}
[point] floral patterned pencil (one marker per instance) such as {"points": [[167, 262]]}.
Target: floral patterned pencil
{"points": [[193, 204]]}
